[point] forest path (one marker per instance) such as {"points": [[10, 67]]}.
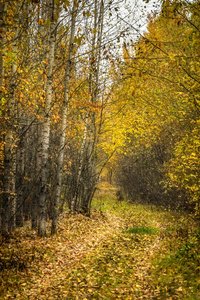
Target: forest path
{"points": [[78, 237], [106, 256]]}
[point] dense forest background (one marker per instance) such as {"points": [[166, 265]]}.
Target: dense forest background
{"points": [[84, 100]]}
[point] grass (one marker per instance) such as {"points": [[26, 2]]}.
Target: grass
{"points": [[142, 230], [174, 267]]}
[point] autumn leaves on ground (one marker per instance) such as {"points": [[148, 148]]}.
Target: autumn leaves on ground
{"points": [[123, 251]]}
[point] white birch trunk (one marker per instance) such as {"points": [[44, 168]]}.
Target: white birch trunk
{"points": [[63, 125], [81, 162], [45, 134]]}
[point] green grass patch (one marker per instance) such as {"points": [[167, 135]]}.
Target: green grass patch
{"points": [[143, 230], [175, 268]]}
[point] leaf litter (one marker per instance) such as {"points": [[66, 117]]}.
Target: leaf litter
{"points": [[109, 255]]}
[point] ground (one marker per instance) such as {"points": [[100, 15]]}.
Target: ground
{"points": [[122, 251]]}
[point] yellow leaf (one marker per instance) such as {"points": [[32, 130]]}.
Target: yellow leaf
{"points": [[40, 21], [47, 22]]}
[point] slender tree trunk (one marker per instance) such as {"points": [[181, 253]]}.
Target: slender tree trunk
{"points": [[89, 184], [19, 184], [85, 147], [2, 53], [35, 198], [81, 163], [2, 41], [63, 125], [9, 198], [45, 134]]}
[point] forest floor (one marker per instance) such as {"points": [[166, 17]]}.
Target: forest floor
{"points": [[122, 251]]}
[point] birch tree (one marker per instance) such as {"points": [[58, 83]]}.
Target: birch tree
{"points": [[45, 130], [9, 200], [64, 119], [86, 178]]}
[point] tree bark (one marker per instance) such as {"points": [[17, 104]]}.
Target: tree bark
{"points": [[19, 184], [63, 125], [2, 53], [81, 163], [9, 198], [45, 134], [90, 151]]}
